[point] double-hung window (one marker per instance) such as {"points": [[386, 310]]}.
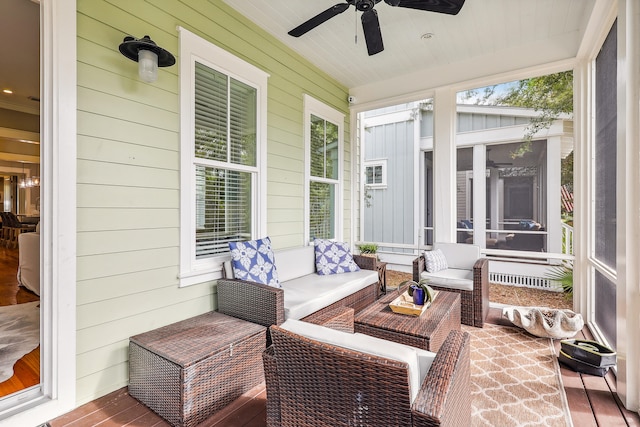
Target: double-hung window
{"points": [[324, 127], [223, 105]]}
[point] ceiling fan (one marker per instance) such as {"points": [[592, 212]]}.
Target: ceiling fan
{"points": [[370, 23], [492, 164]]}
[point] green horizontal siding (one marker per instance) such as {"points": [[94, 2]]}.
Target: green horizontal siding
{"points": [[128, 216]]}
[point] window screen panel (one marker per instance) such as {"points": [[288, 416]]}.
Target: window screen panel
{"points": [[369, 174], [373, 174], [605, 307], [331, 150], [317, 146], [211, 114], [243, 123], [223, 209], [377, 174], [322, 210], [606, 151]]}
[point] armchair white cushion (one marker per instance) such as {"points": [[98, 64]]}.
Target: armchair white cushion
{"points": [[460, 258], [467, 273], [29, 261], [418, 360]]}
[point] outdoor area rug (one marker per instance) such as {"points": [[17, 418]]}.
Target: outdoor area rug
{"points": [[19, 334], [515, 379]]}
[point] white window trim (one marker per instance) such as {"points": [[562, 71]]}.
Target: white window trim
{"points": [[320, 109], [192, 48], [373, 163]]}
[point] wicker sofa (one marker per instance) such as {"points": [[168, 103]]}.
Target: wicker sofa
{"points": [[467, 274], [317, 376], [303, 293]]}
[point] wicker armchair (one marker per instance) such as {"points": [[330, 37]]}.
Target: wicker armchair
{"points": [[314, 383], [474, 298]]}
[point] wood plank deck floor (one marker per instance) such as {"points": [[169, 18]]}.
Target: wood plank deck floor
{"points": [[592, 400]]}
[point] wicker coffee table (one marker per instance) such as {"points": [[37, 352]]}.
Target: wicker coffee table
{"points": [[427, 331]]}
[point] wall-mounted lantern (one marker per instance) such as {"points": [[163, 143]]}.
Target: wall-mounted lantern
{"points": [[148, 55]]}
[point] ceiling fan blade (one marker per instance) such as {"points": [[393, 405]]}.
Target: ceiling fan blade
{"points": [[492, 164], [319, 19], [450, 7], [372, 33]]}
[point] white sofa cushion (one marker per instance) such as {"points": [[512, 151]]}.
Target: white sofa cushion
{"points": [[306, 292], [419, 361], [309, 293], [290, 262], [295, 262], [451, 278]]}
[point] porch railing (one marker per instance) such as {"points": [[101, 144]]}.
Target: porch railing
{"points": [[567, 239]]}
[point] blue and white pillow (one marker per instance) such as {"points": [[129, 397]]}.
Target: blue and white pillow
{"points": [[435, 261], [333, 257], [254, 261]]}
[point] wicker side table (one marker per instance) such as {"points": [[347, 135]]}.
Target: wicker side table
{"points": [[188, 370], [382, 277]]}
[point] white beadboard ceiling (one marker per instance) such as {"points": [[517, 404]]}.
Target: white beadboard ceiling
{"points": [[513, 33]]}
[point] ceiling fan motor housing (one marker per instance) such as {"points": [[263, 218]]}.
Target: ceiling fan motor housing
{"points": [[364, 5]]}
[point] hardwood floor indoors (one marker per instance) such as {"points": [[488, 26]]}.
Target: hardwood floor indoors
{"points": [[27, 369]]}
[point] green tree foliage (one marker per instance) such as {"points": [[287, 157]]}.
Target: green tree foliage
{"points": [[550, 95]]}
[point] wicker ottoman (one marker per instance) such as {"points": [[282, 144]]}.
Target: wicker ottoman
{"points": [[188, 370]]}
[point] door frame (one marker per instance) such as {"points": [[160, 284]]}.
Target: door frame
{"points": [[58, 111]]}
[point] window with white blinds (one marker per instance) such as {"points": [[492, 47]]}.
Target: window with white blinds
{"points": [[223, 140], [224, 160], [324, 147]]}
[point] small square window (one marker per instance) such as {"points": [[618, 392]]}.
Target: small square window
{"points": [[376, 173]]}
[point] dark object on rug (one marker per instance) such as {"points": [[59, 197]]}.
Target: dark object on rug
{"points": [[588, 357], [588, 351]]}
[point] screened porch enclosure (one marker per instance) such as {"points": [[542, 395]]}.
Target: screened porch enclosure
{"points": [[507, 190], [515, 202]]}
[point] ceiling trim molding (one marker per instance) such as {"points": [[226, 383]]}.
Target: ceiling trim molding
{"points": [[374, 97], [22, 108]]}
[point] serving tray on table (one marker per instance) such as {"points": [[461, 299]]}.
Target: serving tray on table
{"points": [[403, 304]]}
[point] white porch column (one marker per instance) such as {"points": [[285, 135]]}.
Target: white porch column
{"points": [[628, 205], [479, 196], [496, 196], [418, 178], [444, 166], [554, 176], [582, 153]]}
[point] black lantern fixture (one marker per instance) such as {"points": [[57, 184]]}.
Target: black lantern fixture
{"points": [[148, 55]]}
